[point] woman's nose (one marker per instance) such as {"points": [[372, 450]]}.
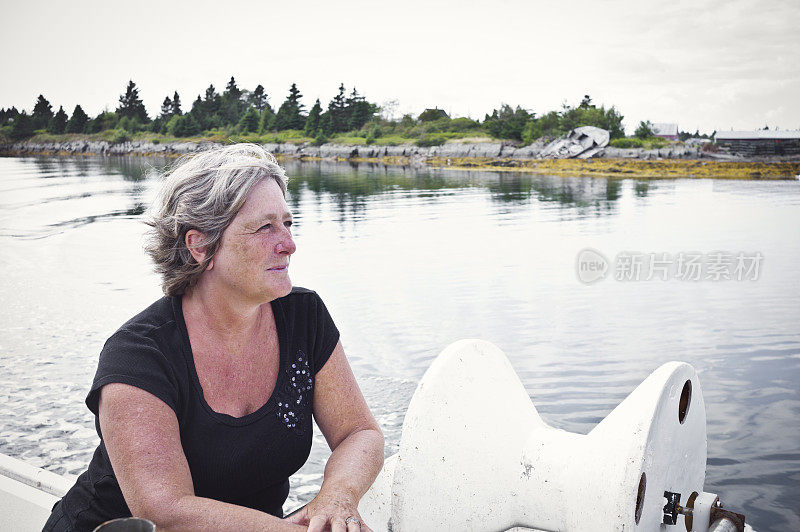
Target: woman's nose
{"points": [[286, 245]]}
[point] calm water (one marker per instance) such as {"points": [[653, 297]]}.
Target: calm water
{"points": [[409, 261]]}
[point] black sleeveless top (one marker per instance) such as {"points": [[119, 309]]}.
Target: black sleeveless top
{"points": [[245, 461]]}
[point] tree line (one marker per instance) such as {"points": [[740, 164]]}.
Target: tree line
{"points": [[237, 111]]}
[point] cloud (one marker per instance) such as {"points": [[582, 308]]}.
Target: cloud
{"points": [[679, 61]]}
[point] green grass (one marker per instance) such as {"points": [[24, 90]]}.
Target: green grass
{"points": [[393, 140], [290, 136], [348, 139], [633, 142], [50, 137], [352, 138]]}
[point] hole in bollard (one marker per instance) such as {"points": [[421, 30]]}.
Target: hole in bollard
{"points": [[640, 497], [688, 520], [686, 398], [127, 524]]}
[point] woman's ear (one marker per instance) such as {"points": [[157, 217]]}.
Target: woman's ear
{"points": [[194, 243]]}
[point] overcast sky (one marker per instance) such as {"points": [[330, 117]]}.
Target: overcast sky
{"points": [[712, 65]]}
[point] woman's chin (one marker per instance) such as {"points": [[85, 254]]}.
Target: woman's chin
{"points": [[283, 289]]}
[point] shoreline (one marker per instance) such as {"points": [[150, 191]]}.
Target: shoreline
{"points": [[670, 162]]}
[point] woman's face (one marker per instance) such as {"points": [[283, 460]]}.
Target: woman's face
{"points": [[252, 262]]}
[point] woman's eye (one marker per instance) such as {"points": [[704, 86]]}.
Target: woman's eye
{"points": [[288, 223], [265, 227]]}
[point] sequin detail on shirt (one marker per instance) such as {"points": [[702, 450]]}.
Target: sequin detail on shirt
{"points": [[296, 393]]}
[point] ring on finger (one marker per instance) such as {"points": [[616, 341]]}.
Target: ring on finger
{"points": [[352, 519]]}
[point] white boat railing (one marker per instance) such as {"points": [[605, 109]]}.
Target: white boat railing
{"points": [[27, 494]]}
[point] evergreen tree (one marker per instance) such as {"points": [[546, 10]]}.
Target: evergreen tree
{"points": [[338, 111], [176, 104], [211, 106], [8, 115], [250, 121], [312, 122], [211, 97], [325, 125], [232, 90], [290, 115], [197, 107], [22, 126], [184, 126], [612, 121], [546, 125], [644, 130], [157, 124], [232, 105], [42, 113], [359, 111], [78, 120], [267, 120], [131, 106], [102, 122], [587, 114], [58, 124], [362, 112], [198, 112], [507, 123], [258, 98], [130, 125], [190, 126], [11, 115], [321, 138], [349, 107], [166, 108]]}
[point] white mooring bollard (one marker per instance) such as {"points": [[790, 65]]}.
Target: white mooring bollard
{"points": [[475, 455]]}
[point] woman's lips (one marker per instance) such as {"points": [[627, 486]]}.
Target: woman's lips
{"points": [[279, 268]]}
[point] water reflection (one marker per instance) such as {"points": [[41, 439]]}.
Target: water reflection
{"points": [[72, 192], [136, 210], [410, 260], [567, 191], [351, 184], [642, 188]]}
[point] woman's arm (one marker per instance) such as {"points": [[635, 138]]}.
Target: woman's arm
{"points": [[357, 444], [143, 442]]}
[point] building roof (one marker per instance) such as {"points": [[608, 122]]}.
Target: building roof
{"points": [[758, 134], [665, 129]]}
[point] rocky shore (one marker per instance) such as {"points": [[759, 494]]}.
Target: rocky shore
{"points": [[672, 161], [335, 151]]}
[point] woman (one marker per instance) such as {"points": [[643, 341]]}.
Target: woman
{"points": [[204, 400]]}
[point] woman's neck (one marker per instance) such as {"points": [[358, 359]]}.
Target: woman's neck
{"points": [[224, 317]]}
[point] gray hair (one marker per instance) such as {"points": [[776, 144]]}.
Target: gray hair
{"points": [[202, 192]]}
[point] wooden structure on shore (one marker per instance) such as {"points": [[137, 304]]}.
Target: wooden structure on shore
{"points": [[665, 131], [761, 142]]}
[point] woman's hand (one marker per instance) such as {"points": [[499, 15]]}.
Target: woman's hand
{"points": [[330, 511], [356, 443]]}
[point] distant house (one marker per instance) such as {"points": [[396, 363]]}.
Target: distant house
{"points": [[759, 142], [432, 114], [665, 131]]}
